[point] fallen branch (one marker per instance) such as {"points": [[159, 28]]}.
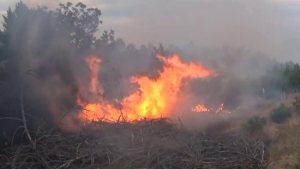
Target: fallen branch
{"points": [[23, 117], [154, 143]]}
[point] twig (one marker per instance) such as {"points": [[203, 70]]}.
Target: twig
{"points": [[23, 116], [33, 143], [11, 118], [12, 142], [155, 145], [180, 123], [67, 164]]}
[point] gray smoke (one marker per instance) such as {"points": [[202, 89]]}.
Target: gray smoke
{"points": [[252, 33], [266, 26]]}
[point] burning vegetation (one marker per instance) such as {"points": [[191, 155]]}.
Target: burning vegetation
{"points": [[154, 97]]}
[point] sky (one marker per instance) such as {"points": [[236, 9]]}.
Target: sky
{"points": [[271, 27]]}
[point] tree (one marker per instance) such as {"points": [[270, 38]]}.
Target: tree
{"points": [[79, 23], [273, 81], [46, 42]]}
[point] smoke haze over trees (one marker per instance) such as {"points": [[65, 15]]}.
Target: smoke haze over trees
{"points": [[52, 45]]}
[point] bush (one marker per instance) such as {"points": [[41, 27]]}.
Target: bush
{"points": [[280, 114], [255, 124], [296, 104], [297, 166]]}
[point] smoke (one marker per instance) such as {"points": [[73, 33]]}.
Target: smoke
{"points": [[260, 26], [250, 30], [34, 45], [265, 26], [236, 85]]}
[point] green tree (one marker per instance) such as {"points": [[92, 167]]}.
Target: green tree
{"points": [[273, 81], [79, 23]]}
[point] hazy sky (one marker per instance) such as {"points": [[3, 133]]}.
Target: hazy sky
{"points": [[268, 26]]}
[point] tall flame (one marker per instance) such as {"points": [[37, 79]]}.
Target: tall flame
{"points": [[154, 98]]}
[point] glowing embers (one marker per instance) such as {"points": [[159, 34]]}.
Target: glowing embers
{"points": [[153, 99]]}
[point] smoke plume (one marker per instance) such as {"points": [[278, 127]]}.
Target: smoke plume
{"points": [[237, 40]]}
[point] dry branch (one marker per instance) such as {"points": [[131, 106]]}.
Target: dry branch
{"points": [[154, 143]]}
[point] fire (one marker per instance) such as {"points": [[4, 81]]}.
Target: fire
{"points": [[154, 98], [220, 108], [200, 108], [93, 63]]}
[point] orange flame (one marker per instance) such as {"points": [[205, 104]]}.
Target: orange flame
{"points": [[154, 98], [200, 108], [220, 108]]}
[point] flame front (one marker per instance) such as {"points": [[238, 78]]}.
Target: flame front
{"points": [[154, 98]]}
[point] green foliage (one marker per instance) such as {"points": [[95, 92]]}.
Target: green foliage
{"points": [[255, 124], [272, 82], [79, 23], [296, 104], [284, 78], [291, 75], [297, 166], [280, 114]]}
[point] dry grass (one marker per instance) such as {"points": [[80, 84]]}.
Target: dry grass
{"points": [[285, 151], [285, 147], [283, 140], [156, 143]]}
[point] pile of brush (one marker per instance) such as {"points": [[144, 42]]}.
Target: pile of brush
{"points": [[146, 144]]}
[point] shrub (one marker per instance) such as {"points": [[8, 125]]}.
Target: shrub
{"points": [[296, 104], [280, 114], [255, 124], [297, 166]]}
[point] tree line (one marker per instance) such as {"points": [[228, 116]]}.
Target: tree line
{"points": [[281, 79]]}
